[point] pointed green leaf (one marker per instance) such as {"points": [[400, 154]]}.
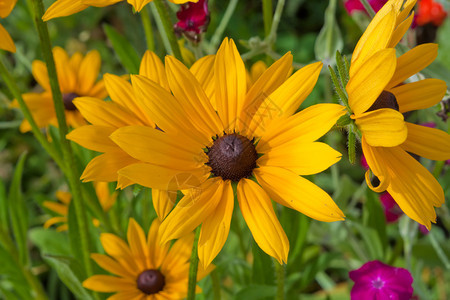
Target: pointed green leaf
{"points": [[124, 50]]}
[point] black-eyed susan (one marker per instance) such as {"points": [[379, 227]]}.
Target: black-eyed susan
{"points": [[6, 42], [253, 133], [378, 95], [63, 8], [144, 268], [105, 198], [77, 76]]}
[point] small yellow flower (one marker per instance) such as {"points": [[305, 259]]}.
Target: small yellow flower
{"points": [[6, 42], [378, 97], [77, 76], [105, 198], [63, 8], [144, 268]]}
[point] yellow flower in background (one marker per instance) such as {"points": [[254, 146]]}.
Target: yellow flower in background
{"points": [[105, 198], [378, 96], [77, 76], [63, 8], [6, 42], [253, 133], [144, 268]]}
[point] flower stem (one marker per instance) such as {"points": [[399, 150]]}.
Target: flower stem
{"points": [[275, 22], [267, 15], [147, 24], [281, 270], [193, 268], [368, 8], [69, 159], [167, 25], [215, 40], [215, 285]]}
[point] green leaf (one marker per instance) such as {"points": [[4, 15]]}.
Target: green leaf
{"points": [[18, 212], [257, 292], [50, 241], [124, 50], [329, 39], [374, 217], [263, 270], [4, 220], [372, 241], [65, 267]]}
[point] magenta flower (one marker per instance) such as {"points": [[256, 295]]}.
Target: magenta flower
{"points": [[355, 5], [391, 209], [378, 281], [193, 19]]}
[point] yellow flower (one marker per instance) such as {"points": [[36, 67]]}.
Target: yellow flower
{"points": [[63, 8], [105, 198], [378, 96], [77, 76], [254, 133], [145, 268], [6, 42]]}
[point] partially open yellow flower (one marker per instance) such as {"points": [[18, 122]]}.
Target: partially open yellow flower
{"points": [[77, 77], [144, 268], [6, 42], [63, 8], [378, 95]]}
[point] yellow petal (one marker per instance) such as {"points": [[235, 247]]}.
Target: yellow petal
{"points": [[138, 244], [104, 196], [75, 62], [257, 69], [39, 70], [215, 227], [54, 221], [93, 137], [303, 158], [6, 7], [374, 158], [192, 210], [230, 84], [62, 8], [100, 3], [375, 38], [158, 253], [203, 70], [163, 202], [262, 221], [400, 31], [286, 99], [88, 72], [105, 167], [110, 265], [370, 80], [117, 248], [134, 294], [66, 76], [64, 197], [427, 142], [56, 207], [153, 68], [307, 125], [412, 62], [108, 284], [138, 4], [420, 94], [382, 127], [291, 190], [6, 40]]}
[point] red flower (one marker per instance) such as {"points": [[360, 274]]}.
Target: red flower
{"points": [[430, 11], [193, 19]]}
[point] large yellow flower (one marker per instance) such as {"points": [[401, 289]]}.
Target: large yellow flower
{"points": [[254, 133], [6, 42], [77, 76], [63, 8], [145, 269], [378, 96]]}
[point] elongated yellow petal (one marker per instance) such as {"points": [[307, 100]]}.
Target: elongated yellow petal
{"points": [[215, 227], [6, 42], [370, 80], [138, 244], [40, 74], [260, 217], [105, 167], [286, 99], [64, 197], [307, 125], [66, 76], [203, 70], [420, 94], [133, 294], [291, 190], [54, 221], [412, 62], [192, 210], [108, 284], [93, 137], [153, 68], [99, 3], [158, 252], [6, 7], [138, 4], [382, 127], [63, 8], [400, 31], [374, 158], [163, 202], [88, 72], [120, 251], [230, 83], [56, 207], [427, 142], [111, 265], [303, 158]]}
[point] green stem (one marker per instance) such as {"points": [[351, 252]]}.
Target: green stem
{"points": [[217, 37], [193, 268], [69, 159], [14, 89], [443, 257], [267, 15], [215, 285], [281, 272], [147, 24], [368, 8], [164, 17], [339, 90], [275, 22]]}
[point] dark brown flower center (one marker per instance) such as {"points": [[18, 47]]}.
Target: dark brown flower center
{"points": [[385, 100], [68, 101], [151, 281], [233, 157]]}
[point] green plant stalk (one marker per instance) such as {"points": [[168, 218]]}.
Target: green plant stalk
{"points": [[14, 89], [443, 257], [193, 268], [69, 159], [147, 24], [281, 276], [351, 145], [271, 38], [168, 29], [267, 15], [368, 8], [342, 69], [215, 285], [217, 37], [339, 89]]}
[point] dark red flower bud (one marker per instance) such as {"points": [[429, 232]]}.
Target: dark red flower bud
{"points": [[193, 20]]}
